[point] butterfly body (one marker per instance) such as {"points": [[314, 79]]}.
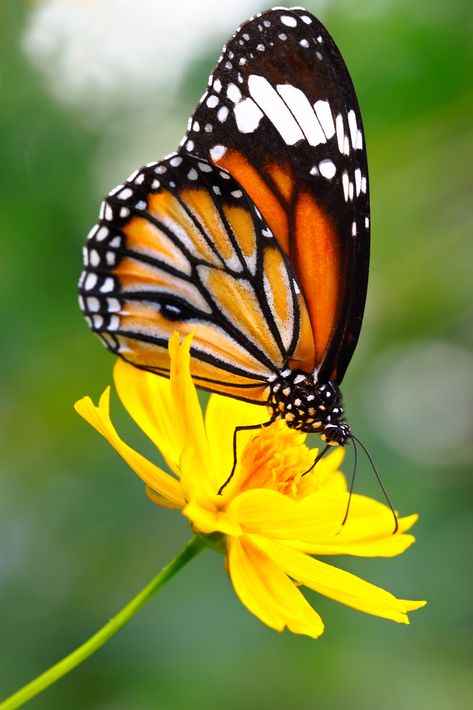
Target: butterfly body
{"points": [[310, 406], [254, 235]]}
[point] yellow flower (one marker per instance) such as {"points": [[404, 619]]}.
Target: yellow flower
{"points": [[270, 518]]}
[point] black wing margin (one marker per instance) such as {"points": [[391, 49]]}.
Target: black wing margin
{"points": [[281, 115]]}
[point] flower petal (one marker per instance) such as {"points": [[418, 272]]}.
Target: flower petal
{"points": [[99, 417], [272, 514], [315, 531], [222, 416], [337, 584], [148, 400], [207, 520], [189, 420], [267, 592], [385, 547]]}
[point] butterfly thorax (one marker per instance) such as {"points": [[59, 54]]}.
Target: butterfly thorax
{"points": [[311, 406]]}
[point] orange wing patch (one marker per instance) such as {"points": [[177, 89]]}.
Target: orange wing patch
{"points": [[166, 208], [239, 304], [208, 341], [283, 179], [316, 250], [144, 237], [140, 277], [261, 194], [242, 226]]}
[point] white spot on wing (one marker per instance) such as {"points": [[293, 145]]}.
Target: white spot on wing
{"points": [[107, 285], [345, 183], [114, 323], [222, 114], [299, 105], [247, 116], [217, 152], [346, 146], [275, 109], [352, 124], [94, 258], [324, 114], [289, 21], [92, 304], [340, 131], [212, 101], [90, 281], [327, 168], [102, 234], [125, 194], [358, 181], [233, 93]]}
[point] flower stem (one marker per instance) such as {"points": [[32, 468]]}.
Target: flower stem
{"points": [[95, 642]]}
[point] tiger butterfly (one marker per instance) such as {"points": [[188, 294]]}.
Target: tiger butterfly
{"points": [[254, 234]]}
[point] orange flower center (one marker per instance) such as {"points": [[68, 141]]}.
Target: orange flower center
{"points": [[276, 458]]}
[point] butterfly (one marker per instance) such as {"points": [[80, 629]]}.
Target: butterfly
{"points": [[254, 234]]}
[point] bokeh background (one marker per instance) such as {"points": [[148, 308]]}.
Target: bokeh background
{"points": [[89, 90]]}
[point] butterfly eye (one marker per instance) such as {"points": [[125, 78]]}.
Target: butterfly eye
{"points": [[175, 310]]}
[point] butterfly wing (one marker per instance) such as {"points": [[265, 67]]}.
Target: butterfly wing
{"points": [[280, 114], [180, 246]]}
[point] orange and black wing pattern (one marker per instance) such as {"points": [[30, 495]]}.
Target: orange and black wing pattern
{"points": [[180, 246], [280, 114]]}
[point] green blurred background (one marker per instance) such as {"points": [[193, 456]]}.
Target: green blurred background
{"points": [[89, 90]]}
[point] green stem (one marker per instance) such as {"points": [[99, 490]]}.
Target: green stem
{"points": [[106, 632]]}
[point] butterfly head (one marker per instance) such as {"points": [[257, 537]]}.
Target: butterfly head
{"points": [[310, 406]]}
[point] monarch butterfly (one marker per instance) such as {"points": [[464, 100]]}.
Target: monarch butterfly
{"points": [[254, 234]]}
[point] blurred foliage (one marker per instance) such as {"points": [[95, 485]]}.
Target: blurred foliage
{"points": [[77, 535]]}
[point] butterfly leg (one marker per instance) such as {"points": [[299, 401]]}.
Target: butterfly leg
{"points": [[249, 427], [317, 459]]}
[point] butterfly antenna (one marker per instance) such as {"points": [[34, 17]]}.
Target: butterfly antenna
{"points": [[381, 485], [352, 483], [317, 459]]}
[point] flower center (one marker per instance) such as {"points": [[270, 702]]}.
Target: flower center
{"points": [[276, 458]]}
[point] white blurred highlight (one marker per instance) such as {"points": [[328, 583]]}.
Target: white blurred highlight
{"points": [[97, 50], [419, 398]]}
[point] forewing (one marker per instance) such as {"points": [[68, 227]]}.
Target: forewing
{"points": [[179, 246], [281, 115]]}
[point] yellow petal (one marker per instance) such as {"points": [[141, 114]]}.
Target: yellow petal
{"points": [[325, 475], [159, 500], [189, 420], [207, 521], [267, 592], [148, 400], [197, 480], [154, 477], [222, 416], [385, 547], [335, 583], [271, 514]]}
